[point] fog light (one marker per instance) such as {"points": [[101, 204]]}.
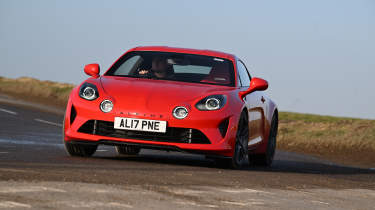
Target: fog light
{"points": [[106, 106], [180, 112]]}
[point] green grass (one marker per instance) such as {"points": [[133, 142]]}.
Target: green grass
{"points": [[311, 118]]}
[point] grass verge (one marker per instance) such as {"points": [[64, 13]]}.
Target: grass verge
{"points": [[344, 140], [45, 92]]}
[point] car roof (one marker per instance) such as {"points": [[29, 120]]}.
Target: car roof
{"points": [[185, 50]]}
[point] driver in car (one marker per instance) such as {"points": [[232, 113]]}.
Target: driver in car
{"points": [[160, 69]]}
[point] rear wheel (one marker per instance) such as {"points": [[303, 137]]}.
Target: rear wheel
{"points": [[266, 159], [80, 150], [127, 150]]}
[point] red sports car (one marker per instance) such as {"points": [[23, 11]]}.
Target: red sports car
{"points": [[197, 101]]}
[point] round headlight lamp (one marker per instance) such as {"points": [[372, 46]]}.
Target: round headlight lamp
{"points": [[212, 103], [88, 93], [180, 112], [106, 106]]}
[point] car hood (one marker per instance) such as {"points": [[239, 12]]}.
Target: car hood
{"points": [[156, 96]]}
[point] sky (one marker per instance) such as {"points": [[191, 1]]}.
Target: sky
{"points": [[318, 56]]}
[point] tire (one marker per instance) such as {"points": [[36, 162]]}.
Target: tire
{"points": [[127, 150], [80, 150], [266, 159], [240, 155]]}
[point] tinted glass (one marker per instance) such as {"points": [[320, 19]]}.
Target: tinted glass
{"points": [[175, 66], [244, 75]]}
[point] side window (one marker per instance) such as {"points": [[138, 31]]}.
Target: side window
{"points": [[128, 66], [248, 73], [243, 73]]}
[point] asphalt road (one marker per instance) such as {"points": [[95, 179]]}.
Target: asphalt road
{"points": [[36, 173]]}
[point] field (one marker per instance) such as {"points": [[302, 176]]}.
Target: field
{"points": [[45, 92], [344, 140]]}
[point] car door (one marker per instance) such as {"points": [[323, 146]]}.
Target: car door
{"points": [[254, 105]]}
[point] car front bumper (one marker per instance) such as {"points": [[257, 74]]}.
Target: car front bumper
{"points": [[205, 122]]}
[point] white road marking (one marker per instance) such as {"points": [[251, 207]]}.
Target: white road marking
{"points": [[243, 191], [102, 191], [28, 142], [11, 204], [29, 189], [320, 202], [243, 204], [101, 150], [14, 170], [96, 204], [186, 192], [3, 152], [121, 205], [8, 111], [192, 203], [48, 122]]}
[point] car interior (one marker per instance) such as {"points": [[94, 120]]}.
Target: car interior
{"points": [[183, 67]]}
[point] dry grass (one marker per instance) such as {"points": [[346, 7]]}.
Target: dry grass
{"points": [[339, 139], [351, 140], [46, 92]]}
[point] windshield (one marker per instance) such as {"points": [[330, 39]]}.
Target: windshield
{"points": [[174, 66]]}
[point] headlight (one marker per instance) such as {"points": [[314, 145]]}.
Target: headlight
{"points": [[106, 106], [180, 112], [210, 103], [88, 91]]}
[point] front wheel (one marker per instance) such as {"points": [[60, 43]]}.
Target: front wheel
{"points": [[80, 150], [239, 158], [75, 149], [266, 159]]}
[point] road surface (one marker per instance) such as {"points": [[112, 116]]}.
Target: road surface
{"points": [[36, 173]]}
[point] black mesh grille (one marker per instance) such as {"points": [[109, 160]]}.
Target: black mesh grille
{"points": [[223, 127], [73, 114], [173, 134]]}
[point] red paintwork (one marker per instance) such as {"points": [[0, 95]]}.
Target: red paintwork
{"points": [[92, 70], [155, 99], [256, 84]]}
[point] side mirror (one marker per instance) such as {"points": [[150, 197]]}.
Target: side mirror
{"points": [[92, 70], [255, 85]]}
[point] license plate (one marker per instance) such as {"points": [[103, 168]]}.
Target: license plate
{"points": [[136, 124]]}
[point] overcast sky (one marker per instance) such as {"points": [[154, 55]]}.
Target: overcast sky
{"points": [[318, 56]]}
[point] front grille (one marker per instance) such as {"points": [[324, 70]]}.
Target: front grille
{"points": [[173, 134]]}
